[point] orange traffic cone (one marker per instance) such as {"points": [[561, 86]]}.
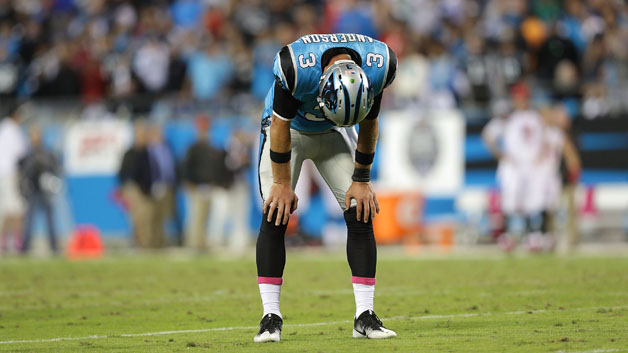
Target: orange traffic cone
{"points": [[85, 243]]}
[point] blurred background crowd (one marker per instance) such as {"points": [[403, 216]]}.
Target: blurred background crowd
{"points": [[463, 52], [190, 75]]}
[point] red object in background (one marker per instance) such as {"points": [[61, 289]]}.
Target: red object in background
{"points": [[202, 122], [85, 243], [93, 85], [520, 90], [214, 21], [589, 209], [497, 221]]}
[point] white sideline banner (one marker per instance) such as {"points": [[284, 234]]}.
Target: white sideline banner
{"points": [[422, 151], [96, 147]]}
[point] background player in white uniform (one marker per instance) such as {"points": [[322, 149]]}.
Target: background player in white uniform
{"points": [[13, 146], [325, 84], [516, 142]]}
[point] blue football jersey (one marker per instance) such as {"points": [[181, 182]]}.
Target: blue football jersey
{"points": [[298, 69]]}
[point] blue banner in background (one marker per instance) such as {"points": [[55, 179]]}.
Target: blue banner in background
{"points": [[93, 201]]}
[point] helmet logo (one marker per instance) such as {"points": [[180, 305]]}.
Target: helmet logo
{"points": [[330, 96]]}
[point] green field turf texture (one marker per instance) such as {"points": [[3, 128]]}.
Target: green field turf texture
{"points": [[499, 304]]}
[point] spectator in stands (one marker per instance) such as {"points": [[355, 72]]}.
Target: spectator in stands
{"points": [[39, 182], [210, 61], [163, 183], [31, 41], [9, 73], [13, 146], [557, 50], [356, 17], [151, 64], [478, 68], [264, 51], [509, 66], [135, 181]]}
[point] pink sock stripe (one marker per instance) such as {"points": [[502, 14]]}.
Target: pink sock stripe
{"points": [[363, 280], [270, 280]]}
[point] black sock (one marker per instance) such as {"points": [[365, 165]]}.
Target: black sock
{"points": [[271, 248], [361, 247]]}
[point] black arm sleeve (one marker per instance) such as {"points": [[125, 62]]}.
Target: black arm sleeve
{"points": [[392, 67], [374, 112], [284, 104]]}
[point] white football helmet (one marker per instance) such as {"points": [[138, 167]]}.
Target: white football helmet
{"points": [[345, 94]]}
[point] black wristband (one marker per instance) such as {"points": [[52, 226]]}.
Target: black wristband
{"points": [[278, 157], [364, 158], [362, 175]]}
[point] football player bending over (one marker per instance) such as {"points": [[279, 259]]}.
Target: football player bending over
{"points": [[325, 85]]}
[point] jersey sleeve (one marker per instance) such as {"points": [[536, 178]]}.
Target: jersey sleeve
{"points": [[284, 70], [392, 67], [374, 112], [285, 106]]}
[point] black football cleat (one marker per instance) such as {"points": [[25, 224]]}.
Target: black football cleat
{"points": [[269, 329], [368, 325]]}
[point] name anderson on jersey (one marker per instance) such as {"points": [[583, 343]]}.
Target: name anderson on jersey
{"points": [[335, 38], [298, 68]]}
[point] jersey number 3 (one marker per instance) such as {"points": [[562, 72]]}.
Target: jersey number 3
{"points": [[371, 58], [309, 62]]}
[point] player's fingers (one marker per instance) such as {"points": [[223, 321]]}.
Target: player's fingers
{"points": [[295, 204], [280, 209], [373, 208], [366, 211], [286, 215], [266, 204], [348, 198], [376, 203], [358, 211], [271, 210]]}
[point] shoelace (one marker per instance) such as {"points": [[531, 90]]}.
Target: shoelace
{"points": [[269, 324], [372, 322]]}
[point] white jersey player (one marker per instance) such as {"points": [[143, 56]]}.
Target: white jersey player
{"points": [[529, 155], [516, 141]]}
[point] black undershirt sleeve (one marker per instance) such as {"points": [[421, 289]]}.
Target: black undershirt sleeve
{"points": [[392, 67], [284, 104], [374, 112]]}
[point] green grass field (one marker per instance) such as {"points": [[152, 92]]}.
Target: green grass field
{"points": [[168, 303]]}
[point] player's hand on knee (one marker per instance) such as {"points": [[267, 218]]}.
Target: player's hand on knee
{"points": [[281, 200], [367, 204]]}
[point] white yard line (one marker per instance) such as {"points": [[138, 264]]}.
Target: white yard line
{"points": [[311, 324], [596, 351]]}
